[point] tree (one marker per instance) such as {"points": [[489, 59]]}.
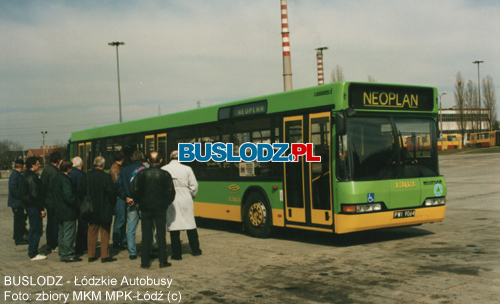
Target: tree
{"points": [[337, 74], [62, 149], [460, 105], [9, 151], [490, 101], [371, 78], [471, 105]]}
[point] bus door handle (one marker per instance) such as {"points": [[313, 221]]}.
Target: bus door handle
{"points": [[327, 215]]}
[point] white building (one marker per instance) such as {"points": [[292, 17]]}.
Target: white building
{"points": [[448, 121]]}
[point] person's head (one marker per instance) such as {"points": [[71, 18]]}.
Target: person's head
{"points": [[32, 163], [77, 162], [55, 158], [174, 155], [154, 158], [118, 157], [137, 156], [19, 164], [66, 166], [99, 162]]}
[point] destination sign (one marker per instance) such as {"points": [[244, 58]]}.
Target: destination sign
{"points": [[387, 97], [249, 109]]}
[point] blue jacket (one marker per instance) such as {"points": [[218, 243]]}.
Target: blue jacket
{"points": [[76, 176], [125, 178], [14, 200]]}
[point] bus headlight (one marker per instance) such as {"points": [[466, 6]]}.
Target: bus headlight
{"points": [[435, 201], [368, 208], [362, 208]]}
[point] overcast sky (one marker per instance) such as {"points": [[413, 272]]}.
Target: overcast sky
{"points": [[58, 74]]}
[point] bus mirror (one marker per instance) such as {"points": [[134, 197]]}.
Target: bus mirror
{"points": [[350, 112], [438, 132], [340, 123]]}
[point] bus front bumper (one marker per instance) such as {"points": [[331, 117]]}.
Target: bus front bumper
{"points": [[345, 223]]}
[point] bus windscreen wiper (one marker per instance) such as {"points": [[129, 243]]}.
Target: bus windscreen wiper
{"points": [[406, 158]]}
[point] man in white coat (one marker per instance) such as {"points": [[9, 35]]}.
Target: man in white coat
{"points": [[180, 214]]}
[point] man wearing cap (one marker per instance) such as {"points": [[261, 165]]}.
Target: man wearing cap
{"points": [[14, 201]]}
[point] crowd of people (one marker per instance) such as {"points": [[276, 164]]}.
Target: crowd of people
{"points": [[79, 207]]}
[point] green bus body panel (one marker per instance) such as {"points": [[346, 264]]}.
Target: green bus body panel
{"points": [[224, 193], [395, 194]]}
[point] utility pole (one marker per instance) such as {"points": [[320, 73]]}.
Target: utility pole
{"points": [[479, 92], [43, 146], [441, 111], [285, 36], [116, 44], [319, 59]]}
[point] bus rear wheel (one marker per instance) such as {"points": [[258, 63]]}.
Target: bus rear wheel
{"points": [[257, 215]]}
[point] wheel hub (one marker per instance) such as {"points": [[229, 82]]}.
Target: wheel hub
{"points": [[257, 214]]}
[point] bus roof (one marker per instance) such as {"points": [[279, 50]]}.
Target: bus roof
{"points": [[317, 96]]}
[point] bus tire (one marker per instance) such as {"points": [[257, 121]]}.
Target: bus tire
{"points": [[257, 215]]}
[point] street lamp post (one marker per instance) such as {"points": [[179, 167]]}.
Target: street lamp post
{"points": [[116, 44], [441, 110], [479, 92], [43, 146]]}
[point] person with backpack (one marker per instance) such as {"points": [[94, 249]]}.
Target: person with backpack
{"points": [[123, 188], [99, 186]]}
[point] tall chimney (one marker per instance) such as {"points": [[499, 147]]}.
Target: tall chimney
{"points": [[319, 58], [285, 36]]}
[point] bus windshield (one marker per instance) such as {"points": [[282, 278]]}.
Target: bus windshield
{"points": [[387, 148]]}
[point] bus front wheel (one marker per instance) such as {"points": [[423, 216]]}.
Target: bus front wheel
{"points": [[257, 215]]}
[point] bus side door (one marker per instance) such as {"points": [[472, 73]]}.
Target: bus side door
{"points": [[294, 173], [320, 177], [85, 153]]}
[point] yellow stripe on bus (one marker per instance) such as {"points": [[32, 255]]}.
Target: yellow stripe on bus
{"points": [[345, 223], [230, 213]]}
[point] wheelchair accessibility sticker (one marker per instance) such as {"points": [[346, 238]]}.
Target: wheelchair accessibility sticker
{"points": [[438, 190], [370, 198]]}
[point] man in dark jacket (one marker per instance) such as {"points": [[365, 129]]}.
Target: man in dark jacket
{"points": [[32, 197], [101, 189], [153, 190], [14, 201], [48, 174], [66, 211]]}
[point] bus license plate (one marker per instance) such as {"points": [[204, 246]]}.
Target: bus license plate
{"points": [[403, 214]]}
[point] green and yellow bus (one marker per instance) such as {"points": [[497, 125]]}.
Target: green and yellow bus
{"points": [[367, 178]]}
